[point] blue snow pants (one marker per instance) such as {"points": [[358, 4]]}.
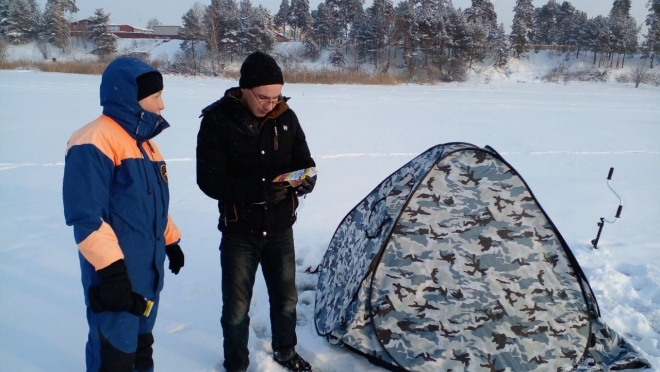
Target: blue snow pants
{"points": [[120, 341]]}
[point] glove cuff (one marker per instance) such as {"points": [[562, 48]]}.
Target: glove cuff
{"points": [[139, 305], [170, 248], [114, 269]]}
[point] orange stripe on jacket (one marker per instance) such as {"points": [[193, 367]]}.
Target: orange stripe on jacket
{"points": [[101, 248], [172, 233], [109, 137]]}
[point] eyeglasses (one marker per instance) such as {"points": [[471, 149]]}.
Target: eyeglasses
{"points": [[266, 100]]}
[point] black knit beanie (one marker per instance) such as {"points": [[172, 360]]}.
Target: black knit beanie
{"points": [[148, 84], [260, 69]]}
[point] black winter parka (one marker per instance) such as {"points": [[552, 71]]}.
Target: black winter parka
{"points": [[239, 153]]}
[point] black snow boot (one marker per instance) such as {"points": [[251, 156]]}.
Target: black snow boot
{"points": [[295, 364]]}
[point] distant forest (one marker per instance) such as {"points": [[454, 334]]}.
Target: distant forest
{"points": [[413, 34]]}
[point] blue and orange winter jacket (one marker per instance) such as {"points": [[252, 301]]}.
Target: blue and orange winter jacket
{"points": [[115, 188]]}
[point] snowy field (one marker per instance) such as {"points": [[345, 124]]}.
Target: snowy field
{"points": [[563, 139]]}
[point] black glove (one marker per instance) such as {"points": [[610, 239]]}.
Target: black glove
{"points": [[273, 192], [114, 292], [175, 254], [306, 186]]}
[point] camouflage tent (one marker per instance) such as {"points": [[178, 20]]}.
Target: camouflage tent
{"points": [[451, 264]]}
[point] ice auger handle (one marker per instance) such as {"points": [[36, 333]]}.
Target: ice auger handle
{"points": [[618, 211], [594, 242]]}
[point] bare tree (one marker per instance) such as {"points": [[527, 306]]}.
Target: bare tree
{"points": [[212, 28], [4, 48], [640, 73], [44, 48], [153, 22], [192, 34]]}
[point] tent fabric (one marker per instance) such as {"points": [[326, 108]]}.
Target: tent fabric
{"points": [[452, 264]]}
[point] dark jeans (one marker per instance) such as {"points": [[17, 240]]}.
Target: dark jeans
{"points": [[240, 256]]}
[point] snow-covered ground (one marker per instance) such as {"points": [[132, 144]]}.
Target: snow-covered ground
{"points": [[561, 138], [80, 49]]}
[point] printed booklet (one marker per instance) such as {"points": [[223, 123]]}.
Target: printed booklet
{"points": [[295, 178]]}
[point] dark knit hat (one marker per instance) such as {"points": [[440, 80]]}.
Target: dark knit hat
{"points": [[148, 84], [260, 69]]}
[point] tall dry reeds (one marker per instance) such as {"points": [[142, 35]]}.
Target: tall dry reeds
{"points": [[304, 75], [292, 73], [70, 67]]}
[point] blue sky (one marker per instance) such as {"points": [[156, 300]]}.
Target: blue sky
{"points": [[137, 13]]}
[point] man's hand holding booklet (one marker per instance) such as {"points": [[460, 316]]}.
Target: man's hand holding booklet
{"points": [[295, 178]]}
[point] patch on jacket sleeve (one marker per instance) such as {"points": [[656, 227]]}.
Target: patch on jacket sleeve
{"points": [[163, 172]]}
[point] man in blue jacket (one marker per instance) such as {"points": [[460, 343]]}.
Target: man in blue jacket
{"points": [[116, 197], [246, 139]]}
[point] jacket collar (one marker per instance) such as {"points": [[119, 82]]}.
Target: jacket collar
{"points": [[118, 95]]}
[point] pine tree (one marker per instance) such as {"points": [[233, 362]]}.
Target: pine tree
{"points": [[254, 28], [14, 29], [522, 31], [651, 47], [299, 16], [192, 34], [360, 33], [483, 11], [598, 36], [503, 47], [380, 29], [106, 43], [565, 17], [449, 27], [20, 20], [338, 23], [337, 56], [433, 35], [262, 23], [324, 30], [406, 30], [245, 32], [280, 18], [36, 20], [346, 12], [222, 23], [4, 16], [311, 49], [624, 30], [620, 8], [229, 21], [350, 37], [545, 24], [471, 44], [56, 22], [574, 33]]}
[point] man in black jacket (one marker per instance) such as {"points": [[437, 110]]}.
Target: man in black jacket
{"points": [[246, 139]]}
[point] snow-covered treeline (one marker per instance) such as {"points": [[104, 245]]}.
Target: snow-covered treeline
{"points": [[413, 34]]}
